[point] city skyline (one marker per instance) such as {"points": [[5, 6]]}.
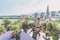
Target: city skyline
{"points": [[18, 7]]}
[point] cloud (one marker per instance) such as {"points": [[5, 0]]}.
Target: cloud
{"points": [[29, 6], [19, 7], [25, 10]]}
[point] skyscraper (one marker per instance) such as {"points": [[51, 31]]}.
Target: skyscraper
{"points": [[47, 13]]}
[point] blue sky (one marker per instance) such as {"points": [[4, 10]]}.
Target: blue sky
{"points": [[18, 7]]}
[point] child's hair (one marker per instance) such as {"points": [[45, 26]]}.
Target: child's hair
{"points": [[24, 27]]}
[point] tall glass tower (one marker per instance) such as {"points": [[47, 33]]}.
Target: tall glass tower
{"points": [[47, 13]]}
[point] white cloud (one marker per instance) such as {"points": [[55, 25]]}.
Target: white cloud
{"points": [[31, 7]]}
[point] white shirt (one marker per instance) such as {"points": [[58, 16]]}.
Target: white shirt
{"points": [[41, 35], [29, 32]]}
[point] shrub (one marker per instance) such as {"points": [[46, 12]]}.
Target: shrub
{"points": [[14, 27], [2, 29]]}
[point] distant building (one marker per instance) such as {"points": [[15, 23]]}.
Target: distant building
{"points": [[47, 13], [10, 17], [55, 16], [53, 13], [24, 16], [42, 16], [58, 15], [36, 15]]}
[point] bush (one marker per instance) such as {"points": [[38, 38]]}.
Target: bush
{"points": [[50, 26], [31, 25], [44, 25], [14, 27], [2, 29], [6, 21]]}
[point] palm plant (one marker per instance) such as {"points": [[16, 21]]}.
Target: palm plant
{"points": [[14, 27], [6, 22]]}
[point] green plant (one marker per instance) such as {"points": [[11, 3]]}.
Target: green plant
{"points": [[14, 27], [6, 22], [50, 27], [17, 34], [2, 29], [55, 36], [27, 20], [44, 25], [31, 25], [17, 22]]}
